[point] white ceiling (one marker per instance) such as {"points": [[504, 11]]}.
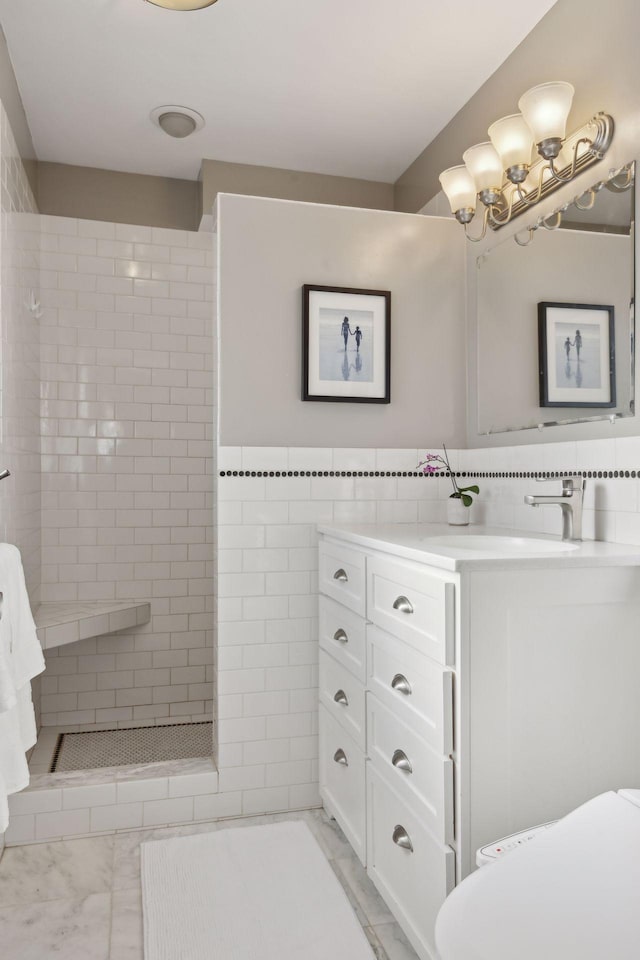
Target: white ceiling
{"points": [[349, 87]]}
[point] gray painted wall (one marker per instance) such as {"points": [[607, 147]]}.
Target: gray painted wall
{"points": [[218, 177], [267, 250], [594, 47], [92, 194], [89, 193]]}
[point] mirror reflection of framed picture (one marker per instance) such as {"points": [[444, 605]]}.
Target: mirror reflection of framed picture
{"points": [[346, 344], [576, 347]]}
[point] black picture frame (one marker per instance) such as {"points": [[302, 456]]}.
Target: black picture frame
{"points": [[361, 373], [565, 365]]}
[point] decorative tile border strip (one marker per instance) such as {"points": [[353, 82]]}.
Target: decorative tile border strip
{"points": [[480, 475]]}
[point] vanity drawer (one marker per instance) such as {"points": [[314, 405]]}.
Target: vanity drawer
{"points": [[419, 691], [342, 634], [342, 781], [408, 601], [342, 575], [421, 776], [343, 696], [415, 879]]}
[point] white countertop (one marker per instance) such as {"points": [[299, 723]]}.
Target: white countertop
{"points": [[416, 541]]}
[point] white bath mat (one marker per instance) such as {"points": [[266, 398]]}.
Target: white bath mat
{"points": [[246, 893]]}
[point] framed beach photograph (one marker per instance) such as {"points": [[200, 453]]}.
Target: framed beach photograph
{"points": [[576, 347], [346, 344]]}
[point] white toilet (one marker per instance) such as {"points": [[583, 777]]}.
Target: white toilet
{"points": [[571, 893]]}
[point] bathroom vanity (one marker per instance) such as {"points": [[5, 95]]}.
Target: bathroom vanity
{"points": [[472, 684]]}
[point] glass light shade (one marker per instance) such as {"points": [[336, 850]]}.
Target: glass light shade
{"points": [[459, 187], [182, 4], [485, 166], [546, 109], [177, 125], [512, 139]]}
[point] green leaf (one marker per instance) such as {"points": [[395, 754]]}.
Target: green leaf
{"points": [[474, 488], [466, 499]]}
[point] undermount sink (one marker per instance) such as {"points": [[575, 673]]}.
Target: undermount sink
{"points": [[479, 543]]}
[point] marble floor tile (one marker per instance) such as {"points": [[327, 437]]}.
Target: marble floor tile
{"points": [[351, 897], [61, 870], [369, 900], [126, 862], [377, 948], [86, 893], [70, 929], [395, 943], [126, 925], [330, 837]]}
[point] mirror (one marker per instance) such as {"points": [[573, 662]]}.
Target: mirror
{"points": [[586, 262]]}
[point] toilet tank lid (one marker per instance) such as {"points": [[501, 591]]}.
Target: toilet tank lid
{"points": [[571, 893]]}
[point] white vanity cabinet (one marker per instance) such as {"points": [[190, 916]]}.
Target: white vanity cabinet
{"points": [[386, 725], [465, 697], [342, 637]]}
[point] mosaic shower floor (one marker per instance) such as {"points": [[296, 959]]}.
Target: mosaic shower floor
{"points": [[125, 746]]}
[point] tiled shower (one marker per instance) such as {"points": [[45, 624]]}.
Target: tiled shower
{"points": [[127, 406], [127, 420], [107, 427]]}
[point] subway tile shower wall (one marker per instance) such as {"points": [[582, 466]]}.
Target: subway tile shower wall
{"points": [[127, 436], [19, 400], [19, 365]]}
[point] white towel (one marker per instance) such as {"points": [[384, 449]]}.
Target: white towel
{"points": [[21, 656], [17, 735], [21, 659]]}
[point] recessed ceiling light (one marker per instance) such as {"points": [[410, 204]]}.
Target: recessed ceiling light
{"points": [[182, 4], [179, 122]]}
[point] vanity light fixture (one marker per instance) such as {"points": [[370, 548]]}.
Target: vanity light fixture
{"points": [[182, 4], [502, 173]]}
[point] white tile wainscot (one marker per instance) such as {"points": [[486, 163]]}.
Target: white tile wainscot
{"points": [[62, 623]]}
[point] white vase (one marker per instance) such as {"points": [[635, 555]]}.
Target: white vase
{"points": [[457, 514]]}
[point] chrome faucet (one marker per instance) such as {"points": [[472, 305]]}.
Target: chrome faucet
{"points": [[570, 502]]}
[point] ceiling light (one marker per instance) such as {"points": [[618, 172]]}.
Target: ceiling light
{"points": [[179, 122], [543, 122], [182, 4]]}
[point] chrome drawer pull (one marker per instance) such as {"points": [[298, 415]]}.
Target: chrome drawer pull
{"points": [[403, 605], [401, 761], [341, 636], [341, 757], [341, 575], [341, 697], [402, 838], [401, 684]]}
